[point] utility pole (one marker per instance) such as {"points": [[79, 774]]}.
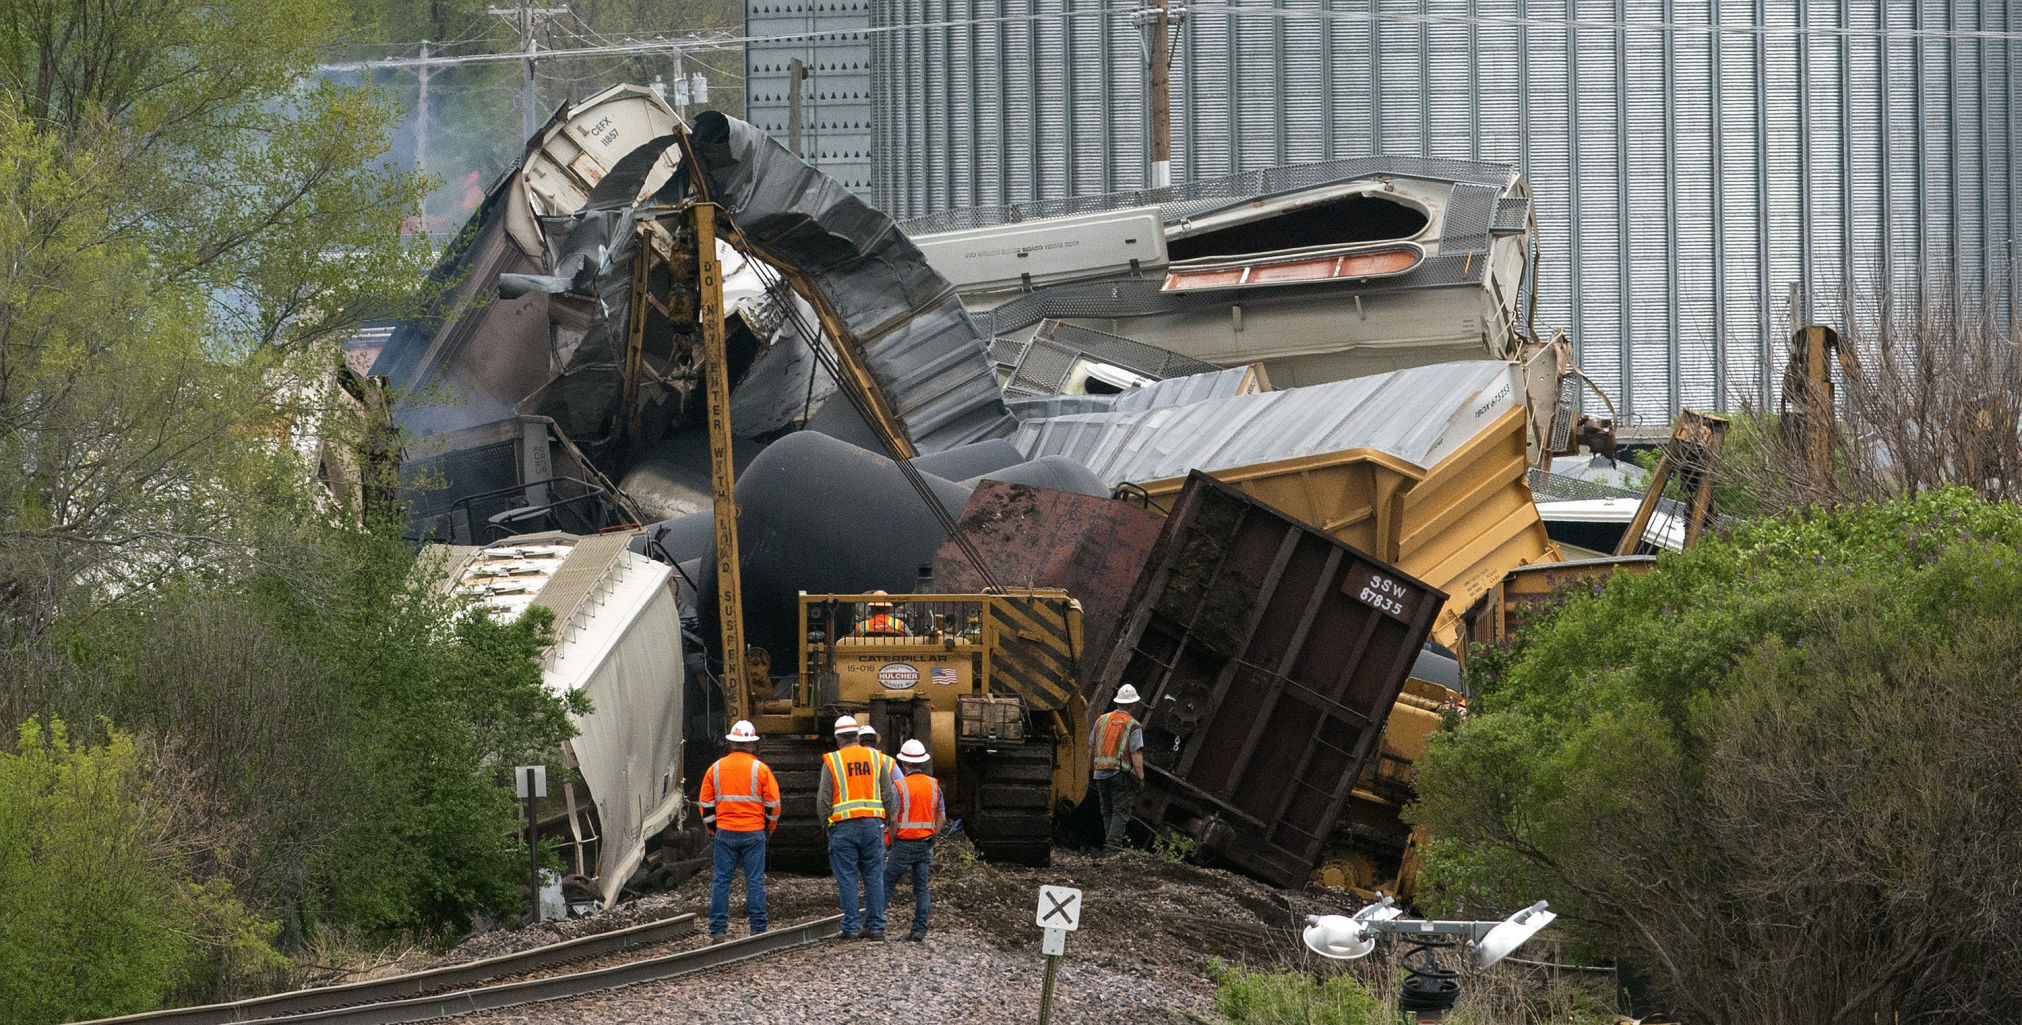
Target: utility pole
{"points": [[421, 124], [522, 18], [796, 75], [1161, 96]]}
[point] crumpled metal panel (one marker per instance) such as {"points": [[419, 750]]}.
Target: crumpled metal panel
{"points": [[1416, 415], [1178, 391], [590, 294], [1200, 197], [918, 341]]}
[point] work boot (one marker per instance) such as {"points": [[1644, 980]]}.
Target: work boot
{"points": [[850, 936], [714, 940], [875, 936], [917, 936]]}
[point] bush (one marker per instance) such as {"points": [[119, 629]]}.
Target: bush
{"points": [[106, 906], [347, 715], [1780, 774], [1288, 998]]}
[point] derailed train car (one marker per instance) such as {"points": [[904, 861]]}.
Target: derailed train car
{"points": [[618, 641], [1269, 655]]}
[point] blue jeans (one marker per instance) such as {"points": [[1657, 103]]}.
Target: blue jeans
{"points": [[856, 853], [911, 857], [738, 849]]}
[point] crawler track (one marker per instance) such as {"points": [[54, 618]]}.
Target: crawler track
{"points": [[443, 992]]}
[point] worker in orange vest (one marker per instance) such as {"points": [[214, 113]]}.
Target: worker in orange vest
{"points": [[883, 621], [867, 735], [922, 813], [740, 806], [1116, 744], [856, 799]]}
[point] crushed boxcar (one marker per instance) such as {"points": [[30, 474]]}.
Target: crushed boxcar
{"points": [[1269, 654]]}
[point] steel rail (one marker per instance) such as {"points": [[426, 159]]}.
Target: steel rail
{"points": [[561, 987], [415, 984]]}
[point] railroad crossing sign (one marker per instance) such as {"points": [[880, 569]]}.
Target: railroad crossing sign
{"points": [[1059, 911], [1059, 907]]}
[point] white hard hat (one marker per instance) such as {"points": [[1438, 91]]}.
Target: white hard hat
{"points": [[846, 724], [1127, 695], [912, 751], [865, 729], [742, 733]]}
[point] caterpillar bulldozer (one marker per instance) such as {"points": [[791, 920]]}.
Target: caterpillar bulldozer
{"points": [[988, 682]]}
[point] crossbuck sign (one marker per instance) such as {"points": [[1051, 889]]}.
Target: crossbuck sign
{"points": [[1059, 907]]}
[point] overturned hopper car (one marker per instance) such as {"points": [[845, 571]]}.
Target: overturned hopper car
{"points": [[617, 640], [1269, 655]]}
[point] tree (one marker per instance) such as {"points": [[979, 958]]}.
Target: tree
{"points": [[186, 229], [188, 225], [1780, 774], [104, 909], [1929, 394]]}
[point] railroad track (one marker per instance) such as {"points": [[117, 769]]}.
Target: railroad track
{"points": [[443, 992]]}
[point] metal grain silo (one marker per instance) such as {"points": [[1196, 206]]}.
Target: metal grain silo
{"points": [[1700, 166]]}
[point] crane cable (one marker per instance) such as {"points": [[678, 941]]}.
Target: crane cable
{"points": [[847, 384]]}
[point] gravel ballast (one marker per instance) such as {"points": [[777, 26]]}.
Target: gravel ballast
{"points": [[1149, 929]]}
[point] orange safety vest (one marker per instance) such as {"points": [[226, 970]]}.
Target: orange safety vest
{"points": [[856, 772], [1109, 752], [922, 799], [884, 624], [740, 794]]}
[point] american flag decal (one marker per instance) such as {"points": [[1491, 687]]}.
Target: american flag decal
{"points": [[943, 675]]}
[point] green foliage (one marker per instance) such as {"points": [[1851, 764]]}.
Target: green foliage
{"points": [[102, 911], [1760, 755], [185, 231], [1172, 846], [1290, 998], [452, 699], [350, 715], [189, 223]]}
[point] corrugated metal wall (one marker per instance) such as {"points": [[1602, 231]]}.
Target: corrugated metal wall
{"points": [[1694, 160], [836, 111]]}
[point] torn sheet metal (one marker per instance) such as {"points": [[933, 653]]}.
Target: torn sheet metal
{"points": [[1416, 416], [926, 354]]}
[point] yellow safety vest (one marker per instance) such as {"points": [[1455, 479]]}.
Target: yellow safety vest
{"points": [[856, 772]]}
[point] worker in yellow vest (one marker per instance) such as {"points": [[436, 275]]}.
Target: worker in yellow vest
{"points": [[740, 808], [1116, 744], [856, 800], [922, 813]]}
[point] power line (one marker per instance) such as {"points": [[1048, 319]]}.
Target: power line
{"points": [[684, 44], [725, 40], [1743, 29]]}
